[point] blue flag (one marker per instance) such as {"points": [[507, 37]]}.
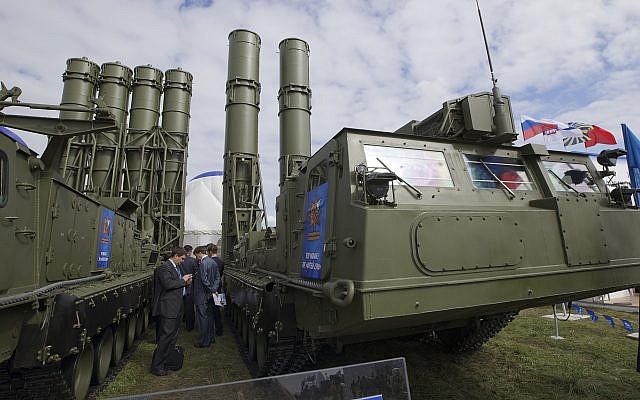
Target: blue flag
{"points": [[627, 325], [593, 315], [632, 145], [579, 309], [610, 321]]}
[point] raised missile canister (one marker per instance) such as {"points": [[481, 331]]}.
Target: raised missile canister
{"points": [[80, 79], [145, 112], [294, 98], [114, 88], [241, 182], [243, 93], [176, 107], [144, 115], [145, 99]]}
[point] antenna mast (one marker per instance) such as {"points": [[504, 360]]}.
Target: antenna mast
{"points": [[501, 118]]}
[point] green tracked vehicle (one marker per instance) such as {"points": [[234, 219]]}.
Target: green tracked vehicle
{"points": [[441, 226], [83, 225]]}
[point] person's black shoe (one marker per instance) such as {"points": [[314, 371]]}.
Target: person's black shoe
{"points": [[219, 333], [161, 372], [200, 346]]}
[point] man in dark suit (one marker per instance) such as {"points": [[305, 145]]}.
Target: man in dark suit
{"points": [[212, 251], [207, 282], [169, 287], [188, 267]]}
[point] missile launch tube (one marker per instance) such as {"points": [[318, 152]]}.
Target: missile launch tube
{"points": [[243, 93], [145, 99], [114, 87], [80, 80], [144, 115], [294, 98], [177, 105], [175, 121], [241, 183], [145, 112]]}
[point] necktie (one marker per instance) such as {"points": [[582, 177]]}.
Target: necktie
{"points": [[184, 290]]}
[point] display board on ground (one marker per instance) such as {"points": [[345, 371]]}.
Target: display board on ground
{"points": [[384, 380]]}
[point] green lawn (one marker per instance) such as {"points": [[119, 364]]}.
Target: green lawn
{"points": [[594, 361], [220, 363]]}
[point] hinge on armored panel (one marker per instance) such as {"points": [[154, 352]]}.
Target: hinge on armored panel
{"points": [[330, 247], [334, 158], [48, 255]]}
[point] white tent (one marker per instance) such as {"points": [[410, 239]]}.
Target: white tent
{"points": [[203, 209]]}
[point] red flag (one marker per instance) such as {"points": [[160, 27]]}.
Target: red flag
{"points": [[598, 135]]}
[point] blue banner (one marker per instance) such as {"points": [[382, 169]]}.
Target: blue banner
{"points": [[314, 228], [632, 145], [610, 320], [104, 238]]}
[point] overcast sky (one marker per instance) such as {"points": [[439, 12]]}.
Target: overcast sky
{"points": [[374, 64]]}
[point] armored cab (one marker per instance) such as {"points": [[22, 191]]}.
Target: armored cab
{"points": [[440, 226], [76, 290]]}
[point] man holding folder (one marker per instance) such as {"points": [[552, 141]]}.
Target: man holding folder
{"points": [[206, 283]]}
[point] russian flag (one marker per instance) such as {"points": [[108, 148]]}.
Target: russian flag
{"points": [[532, 127]]}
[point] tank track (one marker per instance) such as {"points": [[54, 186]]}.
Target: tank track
{"points": [[36, 383], [471, 338], [287, 355], [48, 382]]}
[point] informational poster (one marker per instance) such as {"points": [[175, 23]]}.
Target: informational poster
{"points": [[378, 380], [314, 228], [104, 238]]}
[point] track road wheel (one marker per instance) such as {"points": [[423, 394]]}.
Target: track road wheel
{"points": [[251, 342], [77, 371], [131, 330], [140, 324], [245, 327], [233, 314], [262, 349], [474, 335], [102, 356], [238, 319], [119, 340], [145, 319]]}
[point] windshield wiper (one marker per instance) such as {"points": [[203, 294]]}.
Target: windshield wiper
{"points": [[417, 192], [565, 184], [505, 187]]}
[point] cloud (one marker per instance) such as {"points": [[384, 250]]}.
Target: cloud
{"points": [[374, 64]]}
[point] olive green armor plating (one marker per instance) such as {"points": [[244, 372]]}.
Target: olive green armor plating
{"points": [[440, 226], [78, 250]]}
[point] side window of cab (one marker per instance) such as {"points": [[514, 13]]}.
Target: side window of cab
{"points": [[491, 172], [317, 176], [4, 178]]}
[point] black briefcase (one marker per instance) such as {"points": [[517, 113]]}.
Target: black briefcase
{"points": [[175, 359]]}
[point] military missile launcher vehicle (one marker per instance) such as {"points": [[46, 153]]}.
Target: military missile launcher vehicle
{"points": [[82, 226], [442, 226]]}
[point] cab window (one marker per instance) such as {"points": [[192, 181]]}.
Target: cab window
{"points": [[567, 177], [417, 167], [487, 171], [4, 171], [317, 176]]}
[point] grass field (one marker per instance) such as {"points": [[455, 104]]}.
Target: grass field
{"points": [[594, 361]]}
